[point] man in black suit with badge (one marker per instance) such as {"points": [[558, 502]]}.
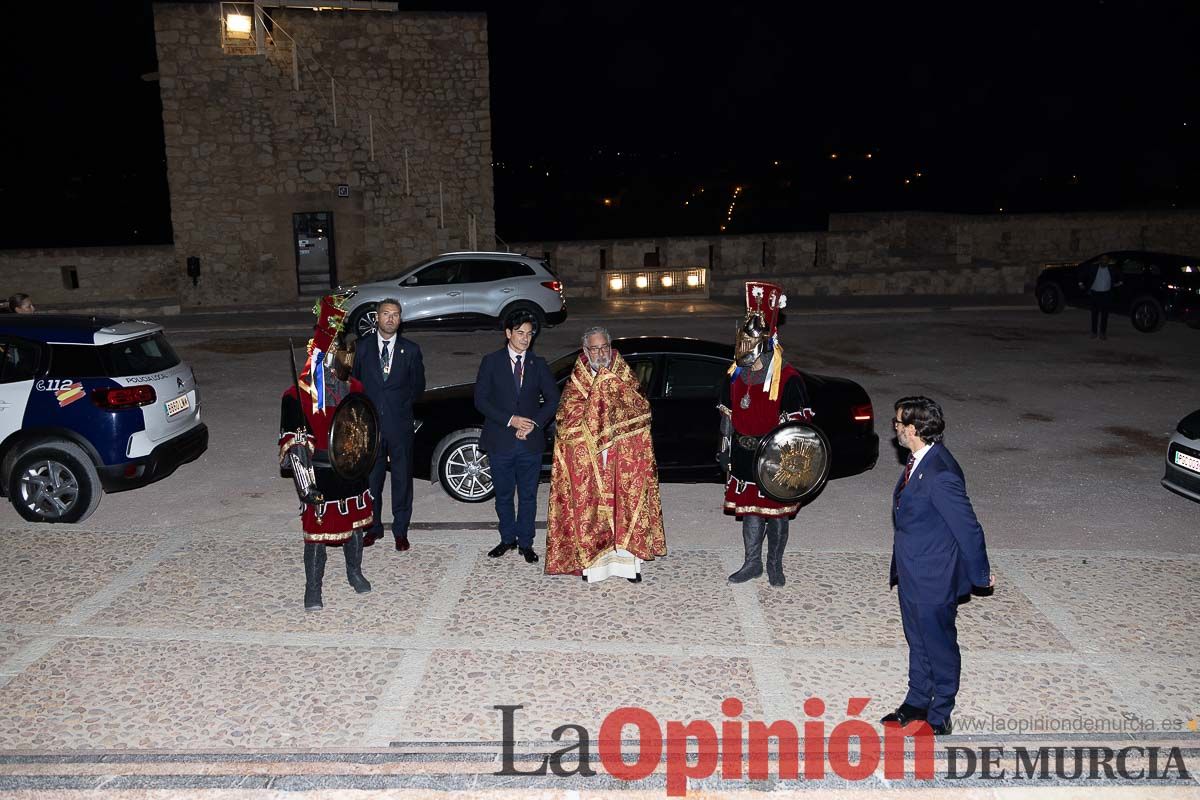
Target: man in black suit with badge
{"points": [[393, 376], [517, 396]]}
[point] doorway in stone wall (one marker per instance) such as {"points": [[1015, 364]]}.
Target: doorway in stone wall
{"points": [[316, 266]]}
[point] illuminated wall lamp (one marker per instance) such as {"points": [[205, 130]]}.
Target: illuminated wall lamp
{"points": [[693, 280], [238, 26], [667, 281], [642, 281], [616, 284]]}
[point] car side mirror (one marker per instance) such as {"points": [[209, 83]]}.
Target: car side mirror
{"points": [[411, 280]]}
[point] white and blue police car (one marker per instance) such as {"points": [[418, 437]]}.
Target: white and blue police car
{"points": [[90, 405]]}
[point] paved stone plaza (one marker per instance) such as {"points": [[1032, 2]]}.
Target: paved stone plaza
{"points": [[163, 644]]}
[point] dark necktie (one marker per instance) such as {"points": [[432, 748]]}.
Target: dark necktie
{"points": [[385, 360], [517, 373], [908, 470]]}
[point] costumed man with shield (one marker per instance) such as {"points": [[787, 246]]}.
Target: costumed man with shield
{"points": [[329, 438], [773, 458]]}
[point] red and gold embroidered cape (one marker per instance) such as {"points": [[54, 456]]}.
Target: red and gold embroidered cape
{"points": [[596, 506]]}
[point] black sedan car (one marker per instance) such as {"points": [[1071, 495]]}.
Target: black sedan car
{"points": [[1154, 288], [682, 378]]}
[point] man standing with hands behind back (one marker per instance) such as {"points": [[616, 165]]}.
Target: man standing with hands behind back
{"points": [[938, 556], [517, 396], [393, 376]]}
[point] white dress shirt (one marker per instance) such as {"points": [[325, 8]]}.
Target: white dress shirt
{"points": [[917, 456], [391, 343], [1103, 281]]}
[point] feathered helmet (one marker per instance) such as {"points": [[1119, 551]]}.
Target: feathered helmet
{"points": [[331, 316], [758, 331]]}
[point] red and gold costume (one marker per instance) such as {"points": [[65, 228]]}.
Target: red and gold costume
{"points": [[763, 392], [346, 505], [604, 486], [335, 509], [754, 414]]}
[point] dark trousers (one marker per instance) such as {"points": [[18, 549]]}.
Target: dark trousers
{"points": [[516, 472], [934, 663], [396, 458], [1101, 303]]}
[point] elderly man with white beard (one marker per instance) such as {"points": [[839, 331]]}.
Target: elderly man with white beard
{"points": [[605, 514]]}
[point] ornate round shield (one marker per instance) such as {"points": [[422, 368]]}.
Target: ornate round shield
{"points": [[354, 437], [792, 462]]}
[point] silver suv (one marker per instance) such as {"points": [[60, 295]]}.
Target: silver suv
{"points": [[467, 289]]}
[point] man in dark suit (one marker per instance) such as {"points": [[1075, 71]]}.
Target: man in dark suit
{"points": [[1099, 278], [393, 376], [938, 556], [517, 396]]}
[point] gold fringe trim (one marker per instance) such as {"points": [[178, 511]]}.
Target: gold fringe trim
{"points": [[776, 369], [785, 511]]}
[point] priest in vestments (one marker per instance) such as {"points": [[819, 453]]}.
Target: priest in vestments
{"points": [[605, 512]]}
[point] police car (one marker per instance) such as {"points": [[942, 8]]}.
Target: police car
{"points": [[90, 405]]}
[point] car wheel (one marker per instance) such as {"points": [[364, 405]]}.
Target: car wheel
{"points": [[1146, 313], [464, 471], [1050, 298], [54, 483], [539, 316], [363, 321]]}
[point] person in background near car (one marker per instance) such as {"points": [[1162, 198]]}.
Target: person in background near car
{"points": [[393, 376], [21, 303], [938, 557], [334, 509], [763, 392], [517, 396], [605, 511], [1099, 278]]}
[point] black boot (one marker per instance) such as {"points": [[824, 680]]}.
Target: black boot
{"points": [[777, 536], [752, 539], [314, 574], [353, 548]]}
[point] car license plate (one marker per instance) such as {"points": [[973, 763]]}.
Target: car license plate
{"points": [[1187, 462], [178, 405]]}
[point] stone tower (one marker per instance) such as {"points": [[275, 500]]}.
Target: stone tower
{"points": [[324, 148]]}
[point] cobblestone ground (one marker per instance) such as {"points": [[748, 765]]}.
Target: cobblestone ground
{"points": [[161, 649]]}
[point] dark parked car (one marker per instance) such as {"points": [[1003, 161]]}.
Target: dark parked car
{"points": [[1155, 287], [682, 378], [1182, 475]]}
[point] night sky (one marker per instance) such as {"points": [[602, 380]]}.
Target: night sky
{"points": [[965, 107]]}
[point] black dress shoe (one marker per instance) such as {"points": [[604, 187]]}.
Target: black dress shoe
{"points": [[402, 543], [530, 556], [501, 549], [903, 715], [945, 729], [638, 579]]}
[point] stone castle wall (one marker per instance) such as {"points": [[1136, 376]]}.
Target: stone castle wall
{"points": [[245, 150], [885, 253], [860, 254], [133, 275]]}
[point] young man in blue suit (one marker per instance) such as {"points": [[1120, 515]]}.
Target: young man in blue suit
{"points": [[393, 376], [517, 396], [938, 557]]}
